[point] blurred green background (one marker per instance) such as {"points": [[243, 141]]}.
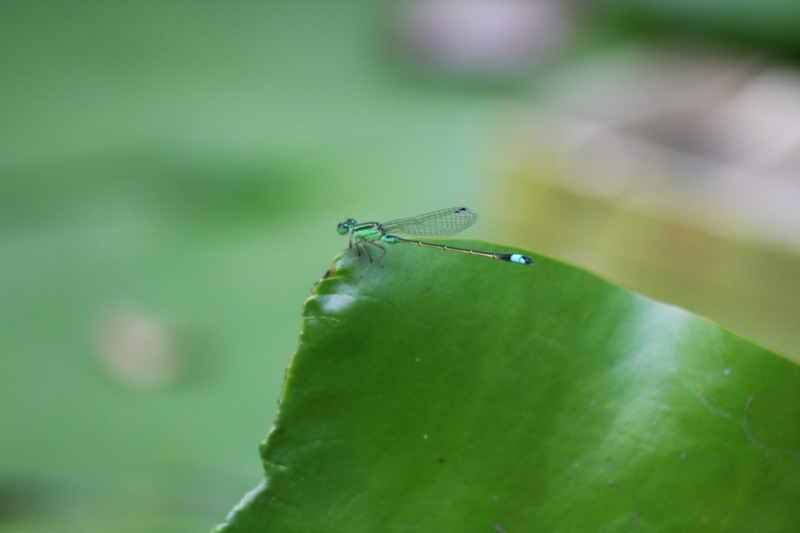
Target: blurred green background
{"points": [[171, 175]]}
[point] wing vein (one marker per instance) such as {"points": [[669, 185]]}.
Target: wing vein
{"points": [[439, 223]]}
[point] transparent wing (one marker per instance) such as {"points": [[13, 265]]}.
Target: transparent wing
{"points": [[436, 224]]}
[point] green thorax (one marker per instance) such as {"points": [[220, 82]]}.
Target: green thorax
{"points": [[367, 231]]}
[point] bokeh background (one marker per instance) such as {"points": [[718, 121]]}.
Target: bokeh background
{"points": [[171, 174]]}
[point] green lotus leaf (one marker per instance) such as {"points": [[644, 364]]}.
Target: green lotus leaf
{"points": [[440, 392]]}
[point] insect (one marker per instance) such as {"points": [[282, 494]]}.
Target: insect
{"points": [[436, 224]]}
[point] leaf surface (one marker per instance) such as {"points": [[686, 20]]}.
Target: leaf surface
{"points": [[446, 392]]}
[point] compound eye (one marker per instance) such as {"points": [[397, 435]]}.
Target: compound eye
{"points": [[341, 229]]}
